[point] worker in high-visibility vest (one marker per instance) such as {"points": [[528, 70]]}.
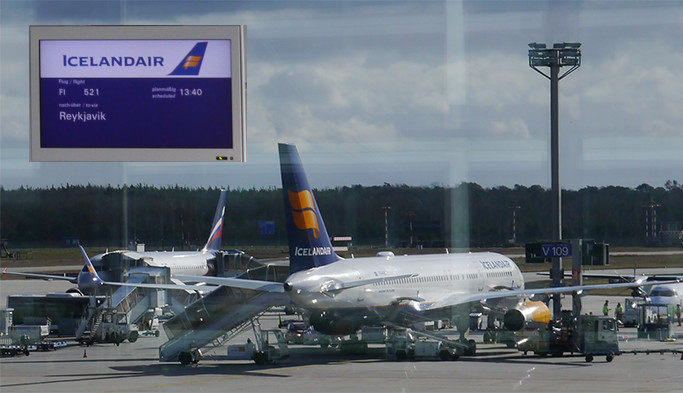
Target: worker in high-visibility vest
{"points": [[618, 312], [605, 308]]}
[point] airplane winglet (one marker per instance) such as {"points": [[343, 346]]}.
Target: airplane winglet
{"points": [[93, 276]]}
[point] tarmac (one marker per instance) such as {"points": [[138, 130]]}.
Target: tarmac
{"points": [[135, 367]]}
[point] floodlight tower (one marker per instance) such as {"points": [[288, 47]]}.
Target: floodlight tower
{"points": [[386, 225], [560, 55]]}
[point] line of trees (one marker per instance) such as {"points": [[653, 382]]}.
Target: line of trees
{"points": [[464, 216]]}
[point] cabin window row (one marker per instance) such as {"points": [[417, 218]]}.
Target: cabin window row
{"points": [[498, 274], [428, 279]]}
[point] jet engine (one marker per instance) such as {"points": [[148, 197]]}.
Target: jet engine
{"points": [[528, 312], [327, 322], [342, 322]]}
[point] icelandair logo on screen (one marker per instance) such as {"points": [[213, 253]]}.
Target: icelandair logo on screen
{"points": [[189, 65], [303, 211], [112, 61]]}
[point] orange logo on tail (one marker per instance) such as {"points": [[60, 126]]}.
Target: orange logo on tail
{"points": [[191, 61], [303, 211]]}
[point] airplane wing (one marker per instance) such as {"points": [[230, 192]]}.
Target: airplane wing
{"points": [[214, 282], [95, 278], [257, 285], [198, 288], [623, 277], [458, 299], [73, 280], [270, 286], [266, 286]]}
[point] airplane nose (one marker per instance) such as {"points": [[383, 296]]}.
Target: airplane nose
{"points": [[288, 286]]}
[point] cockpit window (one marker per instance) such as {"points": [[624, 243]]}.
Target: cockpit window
{"points": [[663, 292]]}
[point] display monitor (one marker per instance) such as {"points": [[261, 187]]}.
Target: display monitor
{"points": [[138, 93]]}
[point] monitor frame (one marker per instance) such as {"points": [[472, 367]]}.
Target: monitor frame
{"points": [[236, 34]]}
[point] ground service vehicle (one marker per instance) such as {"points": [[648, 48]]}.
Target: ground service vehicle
{"points": [[598, 336], [112, 327], [296, 332], [655, 321], [630, 316], [271, 345], [407, 344], [590, 335]]}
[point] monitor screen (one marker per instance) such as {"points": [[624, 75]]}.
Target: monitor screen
{"points": [[137, 93]]}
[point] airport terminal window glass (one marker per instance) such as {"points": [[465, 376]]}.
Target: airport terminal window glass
{"points": [[422, 127]]}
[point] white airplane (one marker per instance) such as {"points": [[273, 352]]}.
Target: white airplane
{"points": [[662, 290], [663, 287], [667, 294], [192, 263], [341, 296]]}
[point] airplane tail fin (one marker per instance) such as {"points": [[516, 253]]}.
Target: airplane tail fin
{"points": [[192, 62], [214, 242], [88, 279], [309, 244]]}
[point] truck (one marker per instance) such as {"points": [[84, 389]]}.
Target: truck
{"points": [[630, 316], [271, 346], [554, 339], [111, 327], [29, 334], [408, 344], [655, 321], [597, 335], [22, 339], [590, 335]]}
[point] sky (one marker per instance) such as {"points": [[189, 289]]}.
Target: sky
{"points": [[419, 93]]}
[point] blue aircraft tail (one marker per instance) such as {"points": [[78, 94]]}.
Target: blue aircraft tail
{"points": [[214, 242], [309, 244], [88, 279], [192, 62]]}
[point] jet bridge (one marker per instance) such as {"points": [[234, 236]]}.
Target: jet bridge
{"points": [[213, 320]]}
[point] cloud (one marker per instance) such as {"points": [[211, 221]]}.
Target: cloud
{"points": [[512, 128], [635, 91], [342, 98], [368, 73]]}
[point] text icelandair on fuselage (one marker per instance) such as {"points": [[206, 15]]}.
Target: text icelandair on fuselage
{"points": [[82, 116], [310, 252], [112, 61], [495, 264]]}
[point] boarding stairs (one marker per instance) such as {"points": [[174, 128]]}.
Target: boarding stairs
{"points": [[90, 323], [130, 300], [213, 320], [228, 335]]}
